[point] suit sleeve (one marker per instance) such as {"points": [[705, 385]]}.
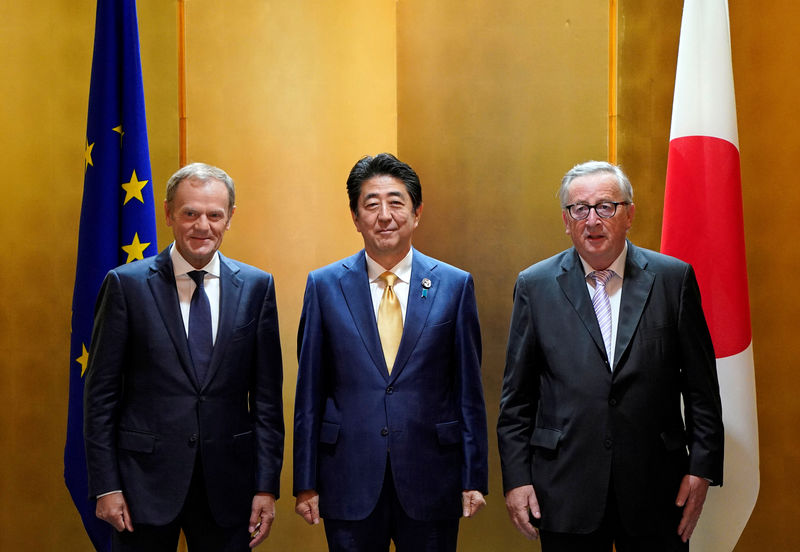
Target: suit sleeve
{"points": [[266, 400], [308, 395], [519, 396], [701, 397], [104, 387], [473, 411]]}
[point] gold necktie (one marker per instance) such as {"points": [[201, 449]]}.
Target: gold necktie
{"points": [[390, 320]]}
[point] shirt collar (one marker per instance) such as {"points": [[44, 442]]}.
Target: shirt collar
{"points": [[618, 266], [181, 266], [402, 269]]}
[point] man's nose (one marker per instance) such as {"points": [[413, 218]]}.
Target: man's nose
{"points": [[593, 217], [202, 222], [384, 212]]}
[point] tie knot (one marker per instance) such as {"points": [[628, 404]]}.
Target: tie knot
{"points": [[197, 276], [389, 277], [601, 277]]}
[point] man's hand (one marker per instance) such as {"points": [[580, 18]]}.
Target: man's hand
{"points": [[307, 506], [262, 514], [521, 503], [472, 501], [113, 509], [691, 496]]}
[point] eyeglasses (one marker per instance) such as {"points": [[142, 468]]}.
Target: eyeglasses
{"points": [[604, 209]]}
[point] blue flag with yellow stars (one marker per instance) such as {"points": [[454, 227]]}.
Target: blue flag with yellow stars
{"points": [[117, 215]]}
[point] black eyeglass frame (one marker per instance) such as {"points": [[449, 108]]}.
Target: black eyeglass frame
{"points": [[595, 206]]}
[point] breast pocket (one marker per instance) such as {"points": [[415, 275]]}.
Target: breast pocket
{"points": [[658, 332], [244, 330]]}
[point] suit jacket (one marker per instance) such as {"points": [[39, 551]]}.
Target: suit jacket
{"points": [[146, 417], [351, 414], [578, 431]]}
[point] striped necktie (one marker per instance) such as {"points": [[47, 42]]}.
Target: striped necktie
{"points": [[602, 307]]}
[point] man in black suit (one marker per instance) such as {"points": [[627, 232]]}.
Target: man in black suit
{"points": [[606, 339], [183, 402]]}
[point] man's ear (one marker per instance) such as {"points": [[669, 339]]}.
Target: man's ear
{"points": [[418, 213]]}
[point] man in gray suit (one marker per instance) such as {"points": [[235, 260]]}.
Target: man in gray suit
{"points": [[606, 340]]}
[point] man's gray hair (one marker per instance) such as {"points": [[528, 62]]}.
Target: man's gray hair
{"points": [[594, 167], [203, 173]]}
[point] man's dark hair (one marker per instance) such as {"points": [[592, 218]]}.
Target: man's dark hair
{"points": [[383, 164]]}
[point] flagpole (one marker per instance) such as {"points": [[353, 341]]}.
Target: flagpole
{"points": [[182, 122]]}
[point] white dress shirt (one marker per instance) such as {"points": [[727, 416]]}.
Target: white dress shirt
{"points": [[186, 287], [403, 272], [614, 292]]}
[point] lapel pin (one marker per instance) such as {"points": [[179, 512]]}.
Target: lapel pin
{"points": [[426, 284]]}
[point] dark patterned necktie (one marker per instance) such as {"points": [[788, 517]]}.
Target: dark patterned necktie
{"points": [[201, 340]]}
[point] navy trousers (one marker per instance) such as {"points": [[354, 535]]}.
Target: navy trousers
{"points": [[389, 522]]}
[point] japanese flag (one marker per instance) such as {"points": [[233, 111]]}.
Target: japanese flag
{"points": [[703, 225]]}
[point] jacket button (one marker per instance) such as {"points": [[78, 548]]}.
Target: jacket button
{"points": [[385, 431], [193, 439], [612, 401], [389, 390], [607, 443]]}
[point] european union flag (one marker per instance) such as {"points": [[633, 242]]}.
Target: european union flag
{"points": [[117, 215]]}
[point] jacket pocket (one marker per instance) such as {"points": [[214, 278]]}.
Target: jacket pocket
{"points": [[545, 438], [243, 443], [674, 440], [449, 433], [329, 433], [136, 441]]}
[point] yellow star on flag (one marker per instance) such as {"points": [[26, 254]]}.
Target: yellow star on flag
{"points": [[133, 189], [136, 249], [87, 155], [118, 130], [83, 360]]}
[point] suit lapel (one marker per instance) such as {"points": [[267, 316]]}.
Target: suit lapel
{"points": [[573, 283], [636, 286], [230, 293], [355, 288], [417, 308], [165, 293]]}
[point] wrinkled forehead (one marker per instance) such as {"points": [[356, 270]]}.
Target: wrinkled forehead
{"points": [[595, 187]]}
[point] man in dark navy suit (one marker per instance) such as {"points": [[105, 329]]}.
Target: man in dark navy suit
{"points": [[183, 405], [390, 429]]}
